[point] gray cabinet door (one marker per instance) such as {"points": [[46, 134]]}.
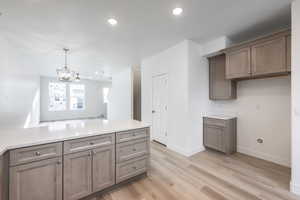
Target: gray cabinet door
{"points": [[77, 175], [214, 137], [103, 168], [219, 87], [238, 63], [269, 57], [36, 181]]}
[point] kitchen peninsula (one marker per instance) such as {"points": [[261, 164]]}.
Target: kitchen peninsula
{"points": [[71, 160]]}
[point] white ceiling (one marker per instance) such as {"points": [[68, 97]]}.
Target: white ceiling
{"points": [[43, 27]]}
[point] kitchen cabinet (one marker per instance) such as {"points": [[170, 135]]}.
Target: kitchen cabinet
{"points": [[77, 175], [238, 63], [220, 134], [269, 57], [289, 52], [103, 168], [37, 180], [219, 87]]}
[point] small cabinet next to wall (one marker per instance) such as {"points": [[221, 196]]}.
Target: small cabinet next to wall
{"points": [[219, 87]]}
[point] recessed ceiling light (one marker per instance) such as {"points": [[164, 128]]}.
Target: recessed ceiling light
{"points": [[177, 11], [112, 22], [97, 73]]}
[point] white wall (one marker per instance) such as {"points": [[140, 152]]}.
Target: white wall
{"points": [[263, 111], [295, 182], [94, 105], [19, 86], [120, 98], [180, 62]]}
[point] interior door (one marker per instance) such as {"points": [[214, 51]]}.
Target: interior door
{"points": [[160, 108]]}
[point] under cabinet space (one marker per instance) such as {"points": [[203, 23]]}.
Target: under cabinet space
{"points": [[219, 87]]}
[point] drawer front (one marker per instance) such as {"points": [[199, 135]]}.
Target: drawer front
{"points": [[35, 153], [127, 136], [78, 145], [133, 149], [131, 168], [214, 121]]}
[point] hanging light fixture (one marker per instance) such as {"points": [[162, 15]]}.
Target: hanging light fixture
{"points": [[65, 74]]}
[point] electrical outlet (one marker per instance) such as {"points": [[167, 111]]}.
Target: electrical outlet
{"points": [[260, 141]]}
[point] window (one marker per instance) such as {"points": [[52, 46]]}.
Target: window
{"points": [[77, 97], [105, 95], [58, 96]]}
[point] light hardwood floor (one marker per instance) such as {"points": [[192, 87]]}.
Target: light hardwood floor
{"points": [[206, 176]]}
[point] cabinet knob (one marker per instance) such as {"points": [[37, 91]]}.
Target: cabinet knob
{"points": [[134, 149], [134, 168], [92, 143], [58, 162], [37, 153], [90, 154]]}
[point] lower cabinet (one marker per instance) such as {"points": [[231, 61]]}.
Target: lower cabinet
{"points": [[37, 180], [77, 175], [1, 178], [103, 168], [88, 172]]}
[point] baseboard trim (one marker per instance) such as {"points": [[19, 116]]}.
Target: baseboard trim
{"points": [[183, 152], [277, 160], [295, 188]]}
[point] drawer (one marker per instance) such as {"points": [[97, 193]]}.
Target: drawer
{"points": [[83, 144], [132, 149], [35, 153], [131, 135], [214, 121], [131, 168]]}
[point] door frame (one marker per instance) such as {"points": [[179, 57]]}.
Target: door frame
{"points": [[167, 102]]}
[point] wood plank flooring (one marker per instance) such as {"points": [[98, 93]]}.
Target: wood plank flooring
{"points": [[206, 176]]}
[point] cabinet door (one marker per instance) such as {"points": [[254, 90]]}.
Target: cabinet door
{"points": [[289, 53], [103, 168], [269, 57], [1, 178], [77, 175], [36, 181], [238, 63], [219, 87], [213, 137]]}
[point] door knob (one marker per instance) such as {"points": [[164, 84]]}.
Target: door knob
{"points": [[153, 111]]}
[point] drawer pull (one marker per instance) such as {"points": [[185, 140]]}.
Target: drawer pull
{"points": [[134, 134], [134, 149], [37, 153], [58, 162], [90, 154], [92, 143], [134, 168]]}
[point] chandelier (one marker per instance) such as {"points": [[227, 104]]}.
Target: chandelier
{"points": [[65, 74]]}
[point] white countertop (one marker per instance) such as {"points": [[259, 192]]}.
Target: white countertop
{"points": [[61, 131]]}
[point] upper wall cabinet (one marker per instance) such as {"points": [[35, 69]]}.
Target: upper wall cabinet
{"points": [[238, 63], [219, 87], [266, 56], [269, 57]]}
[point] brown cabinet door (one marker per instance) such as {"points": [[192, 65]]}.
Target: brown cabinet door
{"points": [[269, 57], [289, 53], [103, 168], [238, 63], [214, 137], [219, 87], [36, 181], [77, 175]]}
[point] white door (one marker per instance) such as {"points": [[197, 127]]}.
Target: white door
{"points": [[159, 108]]}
